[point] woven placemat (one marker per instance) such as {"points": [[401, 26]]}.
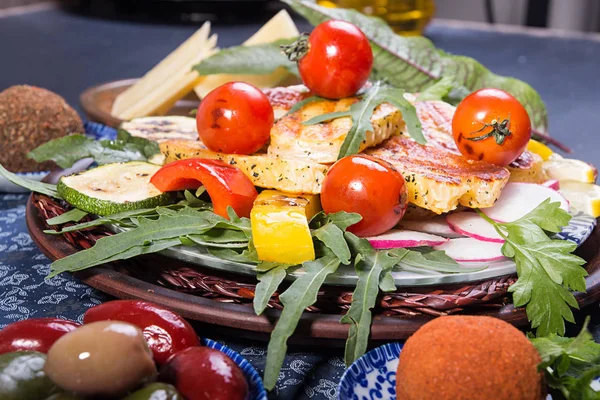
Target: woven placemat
{"points": [[474, 297]]}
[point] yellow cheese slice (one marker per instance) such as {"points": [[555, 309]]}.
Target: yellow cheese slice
{"points": [[280, 26], [160, 100], [198, 45]]}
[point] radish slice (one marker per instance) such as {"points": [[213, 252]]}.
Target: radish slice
{"points": [[472, 225], [518, 199], [435, 226], [552, 184], [472, 250], [399, 238]]}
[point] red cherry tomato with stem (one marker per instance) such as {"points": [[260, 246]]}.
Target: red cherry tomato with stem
{"points": [[225, 184], [368, 186], [491, 125], [202, 373], [335, 61], [235, 118], [166, 332], [36, 334]]}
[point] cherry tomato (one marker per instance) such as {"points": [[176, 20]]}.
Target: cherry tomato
{"points": [[37, 334], [491, 125], [235, 118], [165, 332], [225, 184], [202, 373], [367, 186], [338, 61]]}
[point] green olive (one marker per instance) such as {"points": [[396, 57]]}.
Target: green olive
{"points": [[155, 391], [22, 376], [104, 358]]}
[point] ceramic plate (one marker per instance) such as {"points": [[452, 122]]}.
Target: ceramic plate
{"points": [[578, 230], [373, 376], [255, 384]]}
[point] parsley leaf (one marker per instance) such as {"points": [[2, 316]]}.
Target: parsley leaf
{"points": [[570, 364], [547, 270]]}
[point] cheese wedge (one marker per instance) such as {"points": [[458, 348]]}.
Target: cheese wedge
{"points": [[167, 82], [280, 26]]}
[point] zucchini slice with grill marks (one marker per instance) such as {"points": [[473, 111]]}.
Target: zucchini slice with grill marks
{"points": [[113, 188]]}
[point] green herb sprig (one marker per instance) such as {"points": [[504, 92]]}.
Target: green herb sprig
{"points": [[67, 150], [570, 364], [547, 270]]}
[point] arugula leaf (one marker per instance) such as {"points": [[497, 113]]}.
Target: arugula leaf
{"points": [[268, 282], [333, 237], [413, 63], [248, 60], [570, 364], [547, 270], [150, 235], [199, 240], [370, 265], [302, 103], [362, 111], [327, 117], [429, 259], [34, 186], [300, 295], [247, 256], [73, 215], [67, 150]]}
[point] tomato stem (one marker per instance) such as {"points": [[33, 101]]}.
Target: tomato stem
{"points": [[298, 49], [499, 131]]}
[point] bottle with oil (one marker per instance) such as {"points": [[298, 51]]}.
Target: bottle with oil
{"points": [[406, 17]]}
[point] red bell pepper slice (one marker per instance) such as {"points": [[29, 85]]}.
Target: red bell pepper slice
{"points": [[225, 184]]}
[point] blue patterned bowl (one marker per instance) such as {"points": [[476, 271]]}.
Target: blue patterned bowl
{"points": [[255, 384], [372, 376], [92, 129]]}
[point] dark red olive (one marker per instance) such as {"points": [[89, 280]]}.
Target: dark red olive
{"points": [[202, 373], [37, 334], [165, 332]]}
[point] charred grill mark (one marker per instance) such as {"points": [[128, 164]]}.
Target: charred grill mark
{"points": [[216, 114], [468, 149]]}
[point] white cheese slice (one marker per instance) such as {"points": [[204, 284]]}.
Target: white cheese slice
{"points": [[281, 26], [168, 70], [164, 95]]}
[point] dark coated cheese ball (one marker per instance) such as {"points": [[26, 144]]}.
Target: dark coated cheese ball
{"points": [[470, 358], [31, 116]]}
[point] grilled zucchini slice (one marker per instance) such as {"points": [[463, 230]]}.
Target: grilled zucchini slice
{"points": [[113, 188]]}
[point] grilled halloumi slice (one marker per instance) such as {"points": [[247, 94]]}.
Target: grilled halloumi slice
{"points": [[321, 143], [439, 180], [292, 176]]}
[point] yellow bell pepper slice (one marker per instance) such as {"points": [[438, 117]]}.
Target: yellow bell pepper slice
{"points": [[280, 229], [540, 149]]}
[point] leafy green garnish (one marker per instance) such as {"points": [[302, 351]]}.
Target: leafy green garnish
{"points": [[438, 91], [258, 59], [268, 282], [34, 186], [428, 259], [297, 106], [414, 64], [362, 111], [67, 150], [547, 269], [149, 236], [74, 215], [570, 364], [370, 265], [300, 295]]}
